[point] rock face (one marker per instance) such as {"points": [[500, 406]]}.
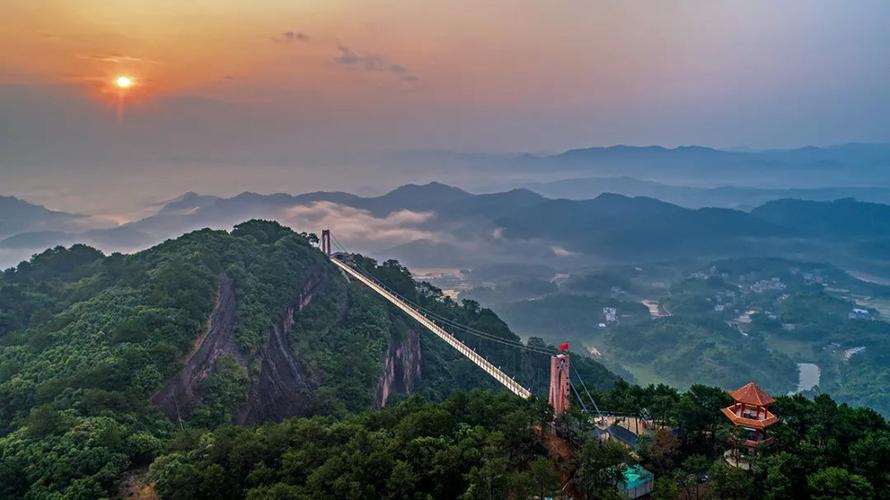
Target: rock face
{"points": [[281, 386], [185, 390], [402, 369], [282, 389]]}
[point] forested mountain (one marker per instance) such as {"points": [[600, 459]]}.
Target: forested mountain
{"points": [[698, 165], [615, 225], [104, 358], [739, 197], [109, 364], [484, 446], [844, 218], [438, 225], [722, 323], [20, 216]]}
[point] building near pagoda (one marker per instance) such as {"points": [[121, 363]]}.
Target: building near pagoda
{"points": [[750, 413]]}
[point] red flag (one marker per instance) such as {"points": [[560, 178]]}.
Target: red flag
{"points": [[564, 347]]}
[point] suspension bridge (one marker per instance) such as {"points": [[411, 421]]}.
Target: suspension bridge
{"points": [[561, 371]]}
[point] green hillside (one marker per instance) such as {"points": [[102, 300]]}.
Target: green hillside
{"points": [[103, 359]]}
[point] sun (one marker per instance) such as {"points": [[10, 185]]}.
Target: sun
{"points": [[123, 82]]}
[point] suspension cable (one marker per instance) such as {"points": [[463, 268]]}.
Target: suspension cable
{"points": [[584, 386], [442, 319], [580, 399]]}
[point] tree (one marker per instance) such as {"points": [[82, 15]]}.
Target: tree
{"points": [[834, 483], [699, 411], [782, 476], [730, 482], [278, 491], [544, 476], [601, 469], [43, 421], [489, 481], [870, 456], [660, 452], [401, 480], [666, 488]]}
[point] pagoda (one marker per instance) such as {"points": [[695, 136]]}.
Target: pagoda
{"points": [[750, 411]]}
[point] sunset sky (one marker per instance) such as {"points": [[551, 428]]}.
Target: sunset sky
{"points": [[276, 83]]}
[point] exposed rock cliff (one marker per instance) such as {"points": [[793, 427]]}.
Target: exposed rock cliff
{"points": [[282, 389], [185, 390], [402, 368]]}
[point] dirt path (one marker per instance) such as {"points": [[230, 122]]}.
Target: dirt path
{"points": [[560, 451]]}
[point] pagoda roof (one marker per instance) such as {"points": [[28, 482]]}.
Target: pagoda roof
{"points": [[753, 423], [751, 394]]}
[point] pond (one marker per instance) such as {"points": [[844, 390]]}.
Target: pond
{"points": [[808, 375]]}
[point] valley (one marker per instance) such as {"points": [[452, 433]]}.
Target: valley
{"points": [[797, 326], [402, 250], [145, 358]]}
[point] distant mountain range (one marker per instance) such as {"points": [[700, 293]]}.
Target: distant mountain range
{"points": [[436, 225], [613, 225], [866, 155], [608, 212], [744, 198], [845, 218], [847, 164], [17, 216]]}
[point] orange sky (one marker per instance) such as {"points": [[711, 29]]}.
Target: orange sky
{"points": [[226, 100], [485, 53], [496, 75]]}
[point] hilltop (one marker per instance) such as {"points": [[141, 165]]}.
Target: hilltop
{"points": [[214, 327]]}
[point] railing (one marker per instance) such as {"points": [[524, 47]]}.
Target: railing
{"points": [[512, 385], [754, 423]]}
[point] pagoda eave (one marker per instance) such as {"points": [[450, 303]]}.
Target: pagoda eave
{"points": [[750, 422]]}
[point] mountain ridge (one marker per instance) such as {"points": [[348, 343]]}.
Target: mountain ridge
{"points": [[111, 356], [465, 226]]}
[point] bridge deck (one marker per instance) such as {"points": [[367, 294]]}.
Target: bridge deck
{"points": [[512, 385]]}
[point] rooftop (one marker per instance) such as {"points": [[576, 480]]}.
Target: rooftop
{"points": [[635, 475], [752, 423], [751, 394], [624, 435]]}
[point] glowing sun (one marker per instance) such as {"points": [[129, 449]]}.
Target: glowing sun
{"points": [[123, 82]]}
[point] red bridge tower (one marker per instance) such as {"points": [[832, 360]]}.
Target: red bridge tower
{"points": [[326, 242], [559, 384]]}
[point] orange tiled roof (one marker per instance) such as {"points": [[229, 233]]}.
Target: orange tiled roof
{"points": [[753, 423], [752, 395]]}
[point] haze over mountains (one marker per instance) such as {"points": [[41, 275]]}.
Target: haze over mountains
{"points": [[19, 216], [701, 166], [107, 191], [436, 225], [744, 198], [521, 252], [846, 165]]}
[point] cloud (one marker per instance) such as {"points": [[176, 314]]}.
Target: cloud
{"points": [[354, 225], [119, 58], [562, 252], [373, 63], [224, 80], [291, 36]]}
